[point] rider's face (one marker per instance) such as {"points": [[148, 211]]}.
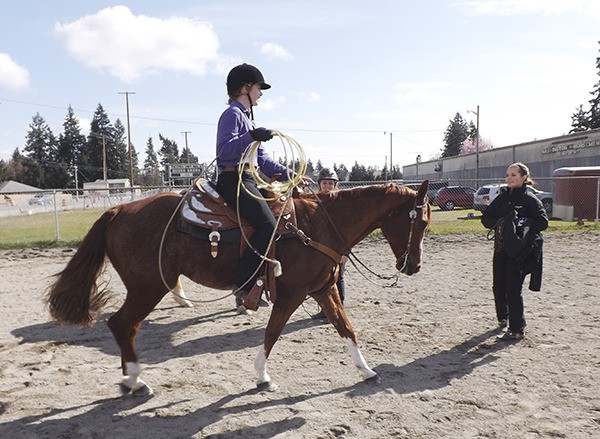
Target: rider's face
{"points": [[327, 185], [255, 93]]}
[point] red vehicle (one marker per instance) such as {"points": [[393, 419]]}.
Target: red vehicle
{"points": [[447, 198]]}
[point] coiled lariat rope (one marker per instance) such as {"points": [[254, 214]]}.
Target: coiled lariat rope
{"points": [[278, 189]]}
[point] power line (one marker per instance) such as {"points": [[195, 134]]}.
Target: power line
{"points": [[157, 119]]}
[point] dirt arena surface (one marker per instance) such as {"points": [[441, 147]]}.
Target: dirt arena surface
{"points": [[432, 340]]}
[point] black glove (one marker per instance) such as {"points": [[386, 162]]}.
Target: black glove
{"points": [[261, 134]]}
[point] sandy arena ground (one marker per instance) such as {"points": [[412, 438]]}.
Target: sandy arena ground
{"points": [[432, 339]]}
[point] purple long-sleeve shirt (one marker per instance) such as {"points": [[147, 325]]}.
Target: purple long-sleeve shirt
{"points": [[233, 138]]}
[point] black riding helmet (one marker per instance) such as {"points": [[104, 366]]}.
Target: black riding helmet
{"points": [[244, 74], [327, 174]]}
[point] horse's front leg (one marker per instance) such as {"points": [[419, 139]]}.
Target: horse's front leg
{"points": [[332, 307], [282, 310]]}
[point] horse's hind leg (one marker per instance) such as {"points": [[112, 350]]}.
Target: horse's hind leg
{"points": [[332, 306], [179, 295], [124, 325]]}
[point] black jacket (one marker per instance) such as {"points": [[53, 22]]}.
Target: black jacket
{"points": [[518, 218]]}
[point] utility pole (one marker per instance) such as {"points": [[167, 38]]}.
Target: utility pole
{"points": [[476, 113], [127, 93], [187, 149], [76, 184], [391, 160], [105, 173]]}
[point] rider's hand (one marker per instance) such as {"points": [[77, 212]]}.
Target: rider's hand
{"points": [[261, 134], [305, 181]]}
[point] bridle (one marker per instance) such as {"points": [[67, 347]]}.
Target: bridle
{"points": [[412, 214], [413, 217]]}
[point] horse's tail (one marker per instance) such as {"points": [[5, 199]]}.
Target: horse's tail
{"points": [[75, 298]]}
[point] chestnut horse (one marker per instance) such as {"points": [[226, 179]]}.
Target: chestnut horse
{"points": [[130, 235]]}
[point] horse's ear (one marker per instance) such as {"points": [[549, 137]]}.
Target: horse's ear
{"points": [[423, 190]]}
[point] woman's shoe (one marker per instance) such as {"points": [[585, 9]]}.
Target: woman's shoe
{"points": [[511, 336]]}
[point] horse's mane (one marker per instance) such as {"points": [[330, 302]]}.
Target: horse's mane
{"points": [[371, 191]]}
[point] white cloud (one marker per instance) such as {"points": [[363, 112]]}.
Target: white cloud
{"points": [[12, 75], [314, 97], [520, 7], [130, 46], [273, 50], [270, 104], [421, 92]]}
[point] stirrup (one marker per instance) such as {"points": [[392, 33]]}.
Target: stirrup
{"points": [[251, 301]]}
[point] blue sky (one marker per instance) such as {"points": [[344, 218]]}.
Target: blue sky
{"points": [[343, 72]]}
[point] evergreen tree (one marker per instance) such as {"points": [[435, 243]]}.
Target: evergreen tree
{"points": [[168, 152], [310, 170], [119, 164], [341, 171], [456, 133], [579, 121], [100, 140], [151, 172], [594, 113], [40, 140], [318, 168], [40, 149], [187, 156], [358, 173], [15, 167], [71, 144]]}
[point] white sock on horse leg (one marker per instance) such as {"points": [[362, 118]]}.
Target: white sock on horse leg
{"points": [[133, 372], [260, 365], [359, 360], [180, 297]]}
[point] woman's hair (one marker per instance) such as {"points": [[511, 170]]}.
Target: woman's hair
{"points": [[233, 95], [524, 171]]}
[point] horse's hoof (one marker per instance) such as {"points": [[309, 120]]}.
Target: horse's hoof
{"points": [[373, 380], [124, 389], [142, 391], [185, 303], [268, 386], [242, 310]]}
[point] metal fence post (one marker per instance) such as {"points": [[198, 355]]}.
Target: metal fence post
{"points": [[56, 223]]}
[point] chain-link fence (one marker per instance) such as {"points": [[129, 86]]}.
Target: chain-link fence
{"points": [[29, 219]]}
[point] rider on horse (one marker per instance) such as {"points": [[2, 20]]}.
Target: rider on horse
{"points": [[236, 132]]}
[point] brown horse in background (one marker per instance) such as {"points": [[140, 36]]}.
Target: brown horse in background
{"points": [[130, 235]]}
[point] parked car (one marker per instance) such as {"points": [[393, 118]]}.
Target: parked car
{"points": [[434, 186], [447, 198], [486, 194], [41, 199]]}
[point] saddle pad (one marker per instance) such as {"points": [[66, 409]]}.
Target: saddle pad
{"points": [[205, 207]]}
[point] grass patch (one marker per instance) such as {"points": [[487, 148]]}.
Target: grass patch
{"points": [[445, 222], [39, 230]]}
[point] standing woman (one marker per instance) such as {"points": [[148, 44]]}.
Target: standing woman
{"points": [[236, 132], [514, 206]]}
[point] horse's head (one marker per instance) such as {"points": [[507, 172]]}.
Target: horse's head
{"points": [[405, 227]]}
